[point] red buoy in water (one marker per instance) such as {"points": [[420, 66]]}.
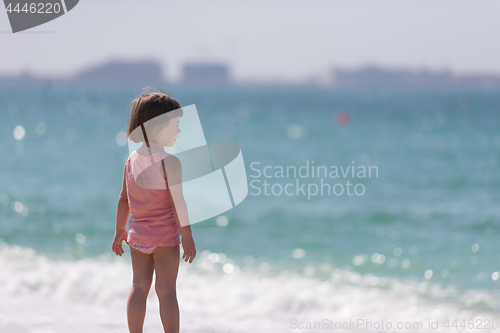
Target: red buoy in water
{"points": [[341, 118]]}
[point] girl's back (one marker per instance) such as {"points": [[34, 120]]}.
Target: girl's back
{"points": [[152, 222]]}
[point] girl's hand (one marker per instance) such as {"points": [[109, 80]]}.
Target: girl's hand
{"points": [[189, 249], [117, 242]]}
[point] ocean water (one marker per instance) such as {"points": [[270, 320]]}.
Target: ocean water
{"points": [[416, 242]]}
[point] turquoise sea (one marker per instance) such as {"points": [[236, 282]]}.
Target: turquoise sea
{"points": [[420, 244]]}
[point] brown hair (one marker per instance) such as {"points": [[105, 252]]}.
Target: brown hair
{"points": [[144, 109]]}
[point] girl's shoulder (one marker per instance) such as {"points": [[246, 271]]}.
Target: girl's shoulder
{"points": [[173, 168], [171, 159], [130, 156]]}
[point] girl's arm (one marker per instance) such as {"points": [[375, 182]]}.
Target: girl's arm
{"points": [[179, 207], [122, 214], [187, 236]]}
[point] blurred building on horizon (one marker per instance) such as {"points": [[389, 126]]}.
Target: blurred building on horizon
{"points": [[205, 74], [120, 71]]}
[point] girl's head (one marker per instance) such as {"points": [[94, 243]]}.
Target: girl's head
{"points": [[155, 112]]}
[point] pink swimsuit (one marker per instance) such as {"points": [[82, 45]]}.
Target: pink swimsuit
{"points": [[152, 221]]}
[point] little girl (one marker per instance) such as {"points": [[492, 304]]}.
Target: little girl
{"points": [[154, 228]]}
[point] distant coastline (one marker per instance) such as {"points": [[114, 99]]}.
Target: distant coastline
{"points": [[150, 72]]}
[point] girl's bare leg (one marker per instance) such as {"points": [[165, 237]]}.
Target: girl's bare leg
{"points": [[166, 265], [143, 267]]}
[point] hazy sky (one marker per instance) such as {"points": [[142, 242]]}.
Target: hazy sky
{"points": [[292, 40]]}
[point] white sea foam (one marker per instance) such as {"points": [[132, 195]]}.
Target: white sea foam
{"points": [[38, 294]]}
